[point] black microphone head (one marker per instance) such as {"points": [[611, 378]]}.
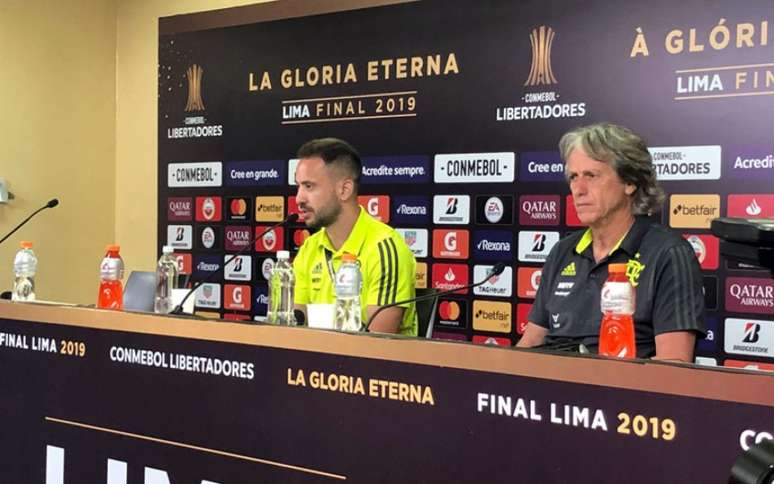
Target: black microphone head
{"points": [[293, 217], [498, 268], [300, 317], [52, 203]]}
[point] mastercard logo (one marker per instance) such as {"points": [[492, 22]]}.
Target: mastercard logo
{"points": [[299, 236], [449, 310], [238, 206]]}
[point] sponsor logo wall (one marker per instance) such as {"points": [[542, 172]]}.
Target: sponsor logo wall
{"points": [[476, 178]]}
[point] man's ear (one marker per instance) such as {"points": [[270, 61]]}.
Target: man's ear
{"points": [[629, 189], [345, 188]]}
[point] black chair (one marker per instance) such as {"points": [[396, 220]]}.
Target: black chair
{"points": [[426, 312]]}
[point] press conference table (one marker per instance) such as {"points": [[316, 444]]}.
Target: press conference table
{"points": [[91, 396]]}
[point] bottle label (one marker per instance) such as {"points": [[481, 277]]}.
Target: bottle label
{"points": [[617, 298]]}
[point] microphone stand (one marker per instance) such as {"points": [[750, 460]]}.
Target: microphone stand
{"points": [[51, 204]]}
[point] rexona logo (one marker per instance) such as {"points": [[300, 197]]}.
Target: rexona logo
{"points": [[494, 210], [707, 249], [269, 209], [541, 166], [749, 337], [539, 209], [180, 236], [450, 276], [750, 164], [710, 340], [450, 244], [260, 302], [208, 296], [239, 209], [420, 280], [493, 245], [237, 238], [396, 169], [686, 162], [416, 239], [693, 211], [500, 285], [209, 209], [475, 168], [411, 210], [451, 209], [492, 316], [750, 295], [239, 269], [184, 262], [179, 209], [378, 206], [452, 313], [206, 264], [528, 281], [208, 238], [272, 241], [237, 297], [535, 246], [255, 173], [206, 174], [751, 206]]}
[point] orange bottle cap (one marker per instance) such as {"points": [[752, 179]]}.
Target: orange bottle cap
{"points": [[113, 248], [26, 244], [616, 268], [347, 257]]}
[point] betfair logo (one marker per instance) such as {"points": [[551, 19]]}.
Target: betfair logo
{"points": [[194, 75], [633, 270], [492, 316], [569, 270], [693, 211], [541, 73]]}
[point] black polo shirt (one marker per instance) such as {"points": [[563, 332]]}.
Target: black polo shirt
{"points": [[661, 265]]}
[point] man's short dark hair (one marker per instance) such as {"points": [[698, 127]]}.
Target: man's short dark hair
{"points": [[334, 151]]}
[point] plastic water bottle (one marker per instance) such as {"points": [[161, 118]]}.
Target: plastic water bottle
{"points": [[166, 280], [281, 287], [111, 271], [616, 333], [24, 266], [347, 316]]}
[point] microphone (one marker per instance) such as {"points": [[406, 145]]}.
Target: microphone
{"points": [[288, 220], [496, 270], [51, 204]]}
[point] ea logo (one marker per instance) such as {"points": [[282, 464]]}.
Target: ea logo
{"points": [[267, 267], [208, 238], [493, 210], [748, 438], [373, 206], [450, 241]]}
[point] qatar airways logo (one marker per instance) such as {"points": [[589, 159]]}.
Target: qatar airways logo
{"points": [[237, 238], [750, 295], [539, 210], [179, 209]]}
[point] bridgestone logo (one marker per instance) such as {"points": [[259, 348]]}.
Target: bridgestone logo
{"points": [[754, 349]]}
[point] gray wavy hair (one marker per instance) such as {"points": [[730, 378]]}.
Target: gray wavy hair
{"points": [[626, 152]]}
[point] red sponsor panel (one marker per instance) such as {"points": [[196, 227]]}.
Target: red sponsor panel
{"points": [[299, 236], [272, 241], [378, 206], [522, 313], [757, 205], [292, 205], [491, 340], [450, 276], [209, 209], [572, 219], [750, 295], [184, 262], [236, 297], [451, 244], [749, 365], [527, 281], [707, 249]]}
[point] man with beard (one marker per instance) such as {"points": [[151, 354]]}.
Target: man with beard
{"points": [[328, 175]]}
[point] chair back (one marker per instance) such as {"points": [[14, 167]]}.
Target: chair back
{"points": [[426, 312]]}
